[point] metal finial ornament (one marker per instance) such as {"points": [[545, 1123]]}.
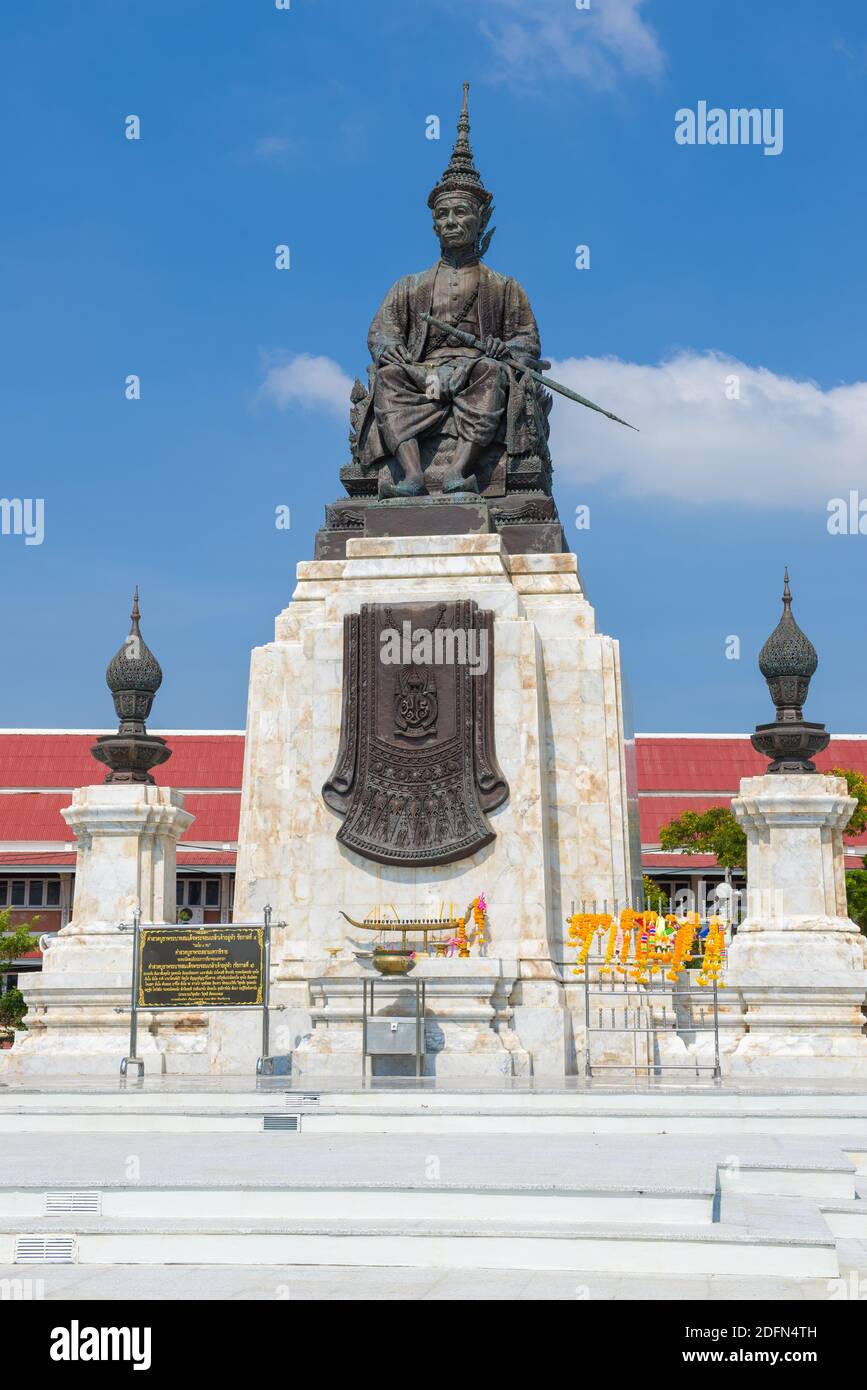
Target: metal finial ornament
{"points": [[788, 661], [133, 676]]}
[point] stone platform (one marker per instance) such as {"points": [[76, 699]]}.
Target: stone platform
{"points": [[527, 522], [712, 1205], [566, 831]]}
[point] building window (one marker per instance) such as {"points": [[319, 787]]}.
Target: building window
{"points": [[198, 892], [29, 892]]}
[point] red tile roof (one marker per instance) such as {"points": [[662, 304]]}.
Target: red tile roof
{"points": [[47, 759], [709, 769], [34, 816], [208, 762], [704, 769]]}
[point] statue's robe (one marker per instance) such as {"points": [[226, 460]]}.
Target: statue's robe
{"points": [[476, 398]]}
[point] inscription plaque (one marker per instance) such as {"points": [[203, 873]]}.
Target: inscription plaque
{"points": [[201, 968], [416, 771]]}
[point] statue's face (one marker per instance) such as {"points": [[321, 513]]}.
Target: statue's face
{"points": [[456, 221]]}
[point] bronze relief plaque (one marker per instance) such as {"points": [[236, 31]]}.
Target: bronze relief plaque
{"points": [[416, 768]]}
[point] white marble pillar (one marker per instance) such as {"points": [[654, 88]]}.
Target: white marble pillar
{"points": [[797, 960], [78, 1018]]}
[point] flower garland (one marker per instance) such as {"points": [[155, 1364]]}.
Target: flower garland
{"points": [[654, 942], [714, 953], [583, 927]]}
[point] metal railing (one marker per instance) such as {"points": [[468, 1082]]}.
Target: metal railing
{"points": [[644, 1009]]}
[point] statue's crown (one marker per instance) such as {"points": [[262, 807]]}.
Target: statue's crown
{"points": [[460, 174]]}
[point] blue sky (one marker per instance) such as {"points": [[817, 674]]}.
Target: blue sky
{"points": [[262, 126]]}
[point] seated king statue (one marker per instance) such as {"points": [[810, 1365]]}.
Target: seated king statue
{"points": [[440, 415]]}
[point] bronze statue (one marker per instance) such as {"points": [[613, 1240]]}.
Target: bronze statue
{"points": [[426, 382], [455, 408]]}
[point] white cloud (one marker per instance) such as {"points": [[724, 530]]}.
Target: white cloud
{"points": [[279, 148], [318, 383], [783, 443], [595, 45]]}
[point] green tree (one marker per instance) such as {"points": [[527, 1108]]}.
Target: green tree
{"points": [[14, 942], [717, 832], [655, 897], [856, 895], [707, 832], [12, 1009], [858, 788]]}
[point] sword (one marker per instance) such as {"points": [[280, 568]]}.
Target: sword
{"points": [[472, 341]]}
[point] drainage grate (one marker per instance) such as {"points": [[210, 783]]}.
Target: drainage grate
{"points": [[60, 1203], [290, 1122], [45, 1250]]}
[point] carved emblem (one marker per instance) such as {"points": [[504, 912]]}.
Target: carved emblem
{"points": [[415, 702], [416, 768]]}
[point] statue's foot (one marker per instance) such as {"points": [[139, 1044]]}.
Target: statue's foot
{"points": [[461, 484], [407, 487]]}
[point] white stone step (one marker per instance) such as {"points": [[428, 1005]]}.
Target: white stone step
{"points": [[516, 1203], [189, 1113], [627, 1248], [166, 1095], [824, 1180], [846, 1220]]}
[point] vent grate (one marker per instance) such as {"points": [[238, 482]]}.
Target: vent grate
{"points": [[45, 1250], [62, 1203], [284, 1122]]}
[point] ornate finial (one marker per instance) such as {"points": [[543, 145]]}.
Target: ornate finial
{"points": [[788, 661], [133, 676], [460, 174]]}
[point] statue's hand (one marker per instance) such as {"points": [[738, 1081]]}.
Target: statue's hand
{"points": [[395, 353], [495, 347]]}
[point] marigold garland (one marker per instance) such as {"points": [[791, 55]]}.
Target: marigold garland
{"points": [[583, 927], [655, 943]]}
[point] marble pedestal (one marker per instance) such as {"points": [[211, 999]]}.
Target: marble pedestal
{"points": [[562, 835], [78, 1006], [468, 1020], [797, 961]]}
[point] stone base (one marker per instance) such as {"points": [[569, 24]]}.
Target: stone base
{"points": [[79, 1004], [797, 963], [468, 1019], [801, 1056], [563, 834], [527, 521]]}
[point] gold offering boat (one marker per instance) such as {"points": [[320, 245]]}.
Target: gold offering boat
{"points": [[394, 959]]}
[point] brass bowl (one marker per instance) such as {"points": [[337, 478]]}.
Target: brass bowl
{"points": [[393, 962]]}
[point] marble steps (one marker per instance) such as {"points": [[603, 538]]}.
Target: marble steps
{"points": [[547, 1205], [425, 1112], [846, 1220], [630, 1247], [333, 1283], [109, 1094], [821, 1180]]}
